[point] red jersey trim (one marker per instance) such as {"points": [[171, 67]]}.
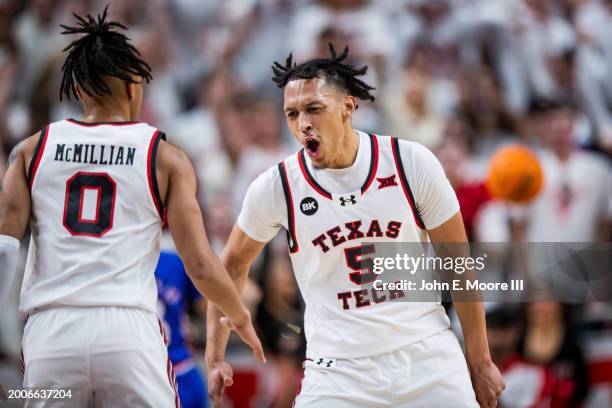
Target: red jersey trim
{"points": [[366, 184]]}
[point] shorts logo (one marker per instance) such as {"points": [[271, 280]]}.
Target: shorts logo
{"points": [[309, 206], [348, 200], [325, 362], [386, 181]]}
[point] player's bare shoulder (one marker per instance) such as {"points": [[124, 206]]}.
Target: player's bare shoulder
{"points": [[171, 158], [172, 162], [24, 151]]}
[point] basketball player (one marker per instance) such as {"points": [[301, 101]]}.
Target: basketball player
{"points": [[94, 192], [344, 187], [174, 291]]}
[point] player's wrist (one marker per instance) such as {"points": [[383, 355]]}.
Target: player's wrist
{"points": [[479, 359], [242, 318], [477, 348], [212, 360]]}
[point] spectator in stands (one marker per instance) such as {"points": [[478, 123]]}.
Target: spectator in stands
{"points": [[279, 316], [528, 384], [454, 153], [549, 339], [574, 205]]}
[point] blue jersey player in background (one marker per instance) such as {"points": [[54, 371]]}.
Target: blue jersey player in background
{"points": [[175, 290]]}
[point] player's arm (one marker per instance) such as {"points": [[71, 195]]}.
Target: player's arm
{"points": [[14, 211], [259, 221], [438, 208], [237, 257], [486, 379], [471, 314], [201, 264]]}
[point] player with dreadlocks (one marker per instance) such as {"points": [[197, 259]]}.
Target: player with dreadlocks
{"points": [[94, 192], [343, 193]]}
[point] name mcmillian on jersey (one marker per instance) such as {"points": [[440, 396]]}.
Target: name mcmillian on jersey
{"points": [[110, 155]]}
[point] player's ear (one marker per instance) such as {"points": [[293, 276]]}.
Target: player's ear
{"points": [[350, 104], [130, 90], [78, 90]]}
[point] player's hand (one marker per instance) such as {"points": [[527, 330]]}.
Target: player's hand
{"points": [[246, 331], [488, 383], [219, 376]]}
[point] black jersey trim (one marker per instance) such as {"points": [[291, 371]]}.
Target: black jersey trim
{"points": [[313, 183], [91, 124], [152, 174], [367, 182], [291, 237], [405, 186], [38, 151], [373, 163]]}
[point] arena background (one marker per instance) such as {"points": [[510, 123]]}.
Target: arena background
{"points": [[462, 77]]}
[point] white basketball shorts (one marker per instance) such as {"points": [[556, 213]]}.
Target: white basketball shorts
{"points": [[105, 356], [431, 373]]}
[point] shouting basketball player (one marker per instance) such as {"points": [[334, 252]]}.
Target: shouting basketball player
{"points": [[94, 193], [344, 187]]}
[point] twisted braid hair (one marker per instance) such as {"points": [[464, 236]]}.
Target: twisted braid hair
{"points": [[334, 70], [100, 52]]}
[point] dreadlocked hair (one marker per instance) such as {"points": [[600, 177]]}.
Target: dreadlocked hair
{"points": [[334, 70], [102, 51]]}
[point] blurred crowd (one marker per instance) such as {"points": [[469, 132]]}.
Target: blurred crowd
{"points": [[462, 77]]}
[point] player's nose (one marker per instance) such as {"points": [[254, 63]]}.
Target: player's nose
{"points": [[303, 123]]}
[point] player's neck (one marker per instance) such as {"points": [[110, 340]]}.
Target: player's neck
{"points": [[106, 114], [347, 151]]}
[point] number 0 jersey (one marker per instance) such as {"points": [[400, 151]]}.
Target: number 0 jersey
{"points": [[96, 217], [330, 235]]}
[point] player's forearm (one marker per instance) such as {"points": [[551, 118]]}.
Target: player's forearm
{"points": [[472, 318], [9, 253], [217, 335], [211, 279], [450, 240]]}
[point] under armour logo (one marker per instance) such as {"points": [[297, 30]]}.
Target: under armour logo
{"points": [[326, 362], [386, 181], [350, 199]]}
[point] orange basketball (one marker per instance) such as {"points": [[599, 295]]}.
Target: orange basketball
{"points": [[515, 174]]}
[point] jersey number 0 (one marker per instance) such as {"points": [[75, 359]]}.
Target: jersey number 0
{"points": [[91, 186]]}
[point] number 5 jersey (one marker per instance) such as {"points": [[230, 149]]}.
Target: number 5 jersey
{"points": [[393, 192], [96, 217]]}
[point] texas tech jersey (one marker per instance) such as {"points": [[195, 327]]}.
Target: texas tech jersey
{"points": [[96, 217], [328, 235]]}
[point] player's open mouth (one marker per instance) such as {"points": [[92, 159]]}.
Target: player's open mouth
{"points": [[312, 148]]}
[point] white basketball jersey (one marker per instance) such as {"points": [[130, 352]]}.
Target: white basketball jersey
{"points": [[96, 224], [326, 233]]}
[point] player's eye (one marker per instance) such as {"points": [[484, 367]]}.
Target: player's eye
{"points": [[291, 114], [314, 109]]}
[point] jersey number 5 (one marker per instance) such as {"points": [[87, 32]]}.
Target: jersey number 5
{"points": [[363, 267], [94, 192]]}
